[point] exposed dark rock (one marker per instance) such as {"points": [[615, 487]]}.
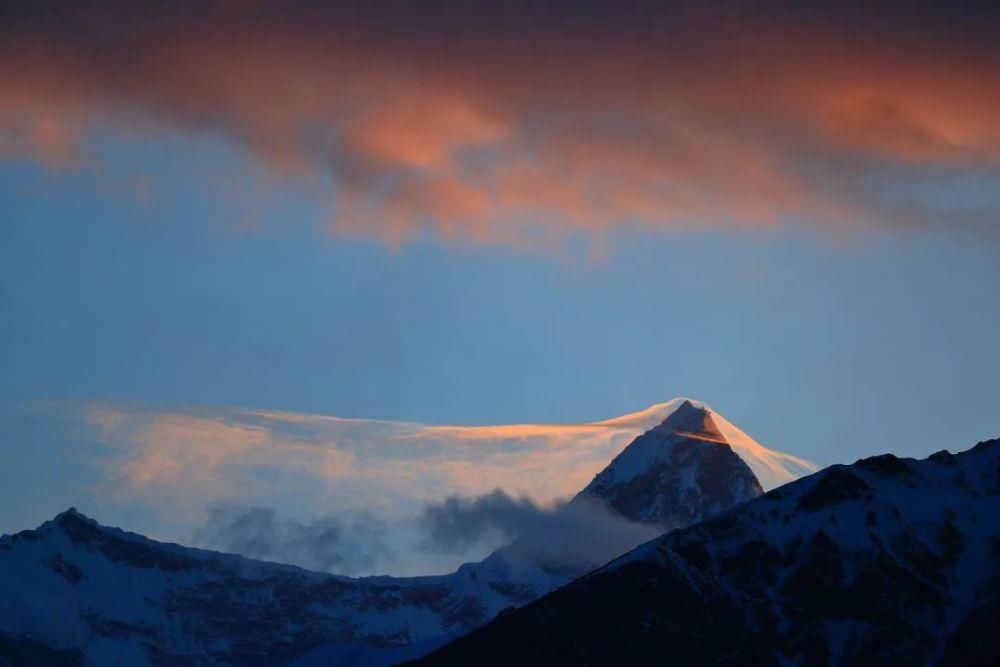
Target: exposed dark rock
{"points": [[515, 591], [944, 457], [65, 569], [695, 553], [886, 465], [116, 546], [27, 652], [774, 494], [835, 485], [985, 445], [975, 642], [951, 542]]}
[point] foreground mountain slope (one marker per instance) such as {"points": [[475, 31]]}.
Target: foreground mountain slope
{"points": [[99, 595], [887, 561]]}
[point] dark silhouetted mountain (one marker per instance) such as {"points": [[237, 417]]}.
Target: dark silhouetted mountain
{"points": [[885, 562]]}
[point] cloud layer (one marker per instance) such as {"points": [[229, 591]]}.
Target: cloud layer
{"points": [[362, 496], [329, 544], [190, 458], [438, 539], [187, 459], [580, 534], [522, 124]]}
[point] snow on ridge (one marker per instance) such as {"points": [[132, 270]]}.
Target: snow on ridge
{"points": [[648, 417], [771, 467]]}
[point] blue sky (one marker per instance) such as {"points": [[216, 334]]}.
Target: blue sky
{"points": [[827, 347], [219, 230]]}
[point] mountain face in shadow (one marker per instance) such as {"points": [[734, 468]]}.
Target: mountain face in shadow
{"points": [[676, 474], [76, 591], [885, 562]]}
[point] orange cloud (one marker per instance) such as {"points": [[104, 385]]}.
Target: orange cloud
{"points": [[519, 126], [189, 458]]}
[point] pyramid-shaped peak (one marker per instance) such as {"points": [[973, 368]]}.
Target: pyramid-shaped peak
{"points": [[687, 412], [695, 422], [70, 512], [679, 472]]}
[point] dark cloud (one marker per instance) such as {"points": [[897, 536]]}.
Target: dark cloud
{"points": [[569, 535], [520, 122], [575, 535], [458, 523]]}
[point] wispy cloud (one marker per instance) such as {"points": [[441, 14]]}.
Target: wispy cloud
{"points": [[191, 458], [365, 496], [524, 125], [202, 455], [358, 496]]}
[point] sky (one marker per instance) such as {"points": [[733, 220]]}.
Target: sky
{"points": [[216, 217]]}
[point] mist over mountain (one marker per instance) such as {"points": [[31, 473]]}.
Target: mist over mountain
{"points": [[328, 544], [101, 594], [586, 531]]}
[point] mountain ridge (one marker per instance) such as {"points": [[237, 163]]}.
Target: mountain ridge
{"points": [[884, 561]]}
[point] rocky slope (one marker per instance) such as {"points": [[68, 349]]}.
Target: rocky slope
{"points": [[885, 562], [79, 592]]}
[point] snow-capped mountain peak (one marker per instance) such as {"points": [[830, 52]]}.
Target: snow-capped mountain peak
{"points": [[687, 422], [674, 474], [772, 468], [691, 417]]}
